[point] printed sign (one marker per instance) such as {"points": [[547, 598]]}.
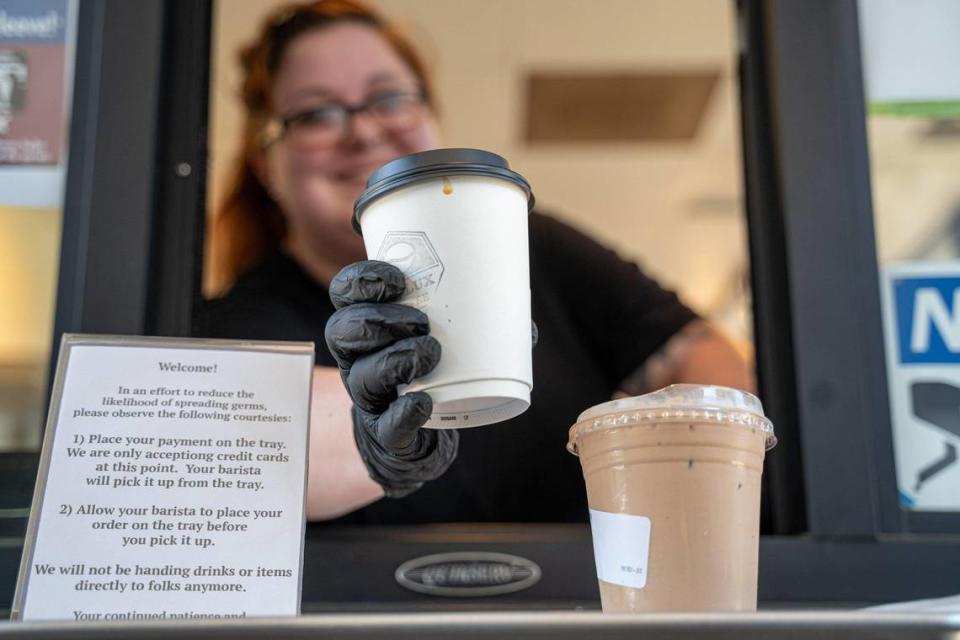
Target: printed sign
{"points": [[921, 306], [172, 482], [32, 81]]}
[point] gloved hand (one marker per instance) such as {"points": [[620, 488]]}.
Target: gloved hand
{"points": [[380, 345]]}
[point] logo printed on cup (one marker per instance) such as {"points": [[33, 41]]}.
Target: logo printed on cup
{"points": [[414, 255]]}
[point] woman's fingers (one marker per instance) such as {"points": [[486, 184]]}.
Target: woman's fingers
{"points": [[366, 281]]}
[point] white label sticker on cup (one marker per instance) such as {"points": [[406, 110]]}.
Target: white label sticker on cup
{"points": [[621, 547]]}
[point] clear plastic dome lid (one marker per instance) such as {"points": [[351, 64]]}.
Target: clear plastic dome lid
{"points": [[678, 402]]}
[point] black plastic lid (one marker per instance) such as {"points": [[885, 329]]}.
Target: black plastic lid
{"points": [[431, 164]]}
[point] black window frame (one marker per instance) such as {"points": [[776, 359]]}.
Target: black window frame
{"points": [[131, 264], [810, 207]]}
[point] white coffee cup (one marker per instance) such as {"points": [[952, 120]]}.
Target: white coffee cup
{"points": [[455, 222]]}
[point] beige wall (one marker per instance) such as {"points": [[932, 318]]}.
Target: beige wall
{"points": [[29, 259], [916, 193], [674, 207]]}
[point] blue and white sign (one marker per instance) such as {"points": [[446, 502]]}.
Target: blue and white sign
{"points": [[921, 308]]}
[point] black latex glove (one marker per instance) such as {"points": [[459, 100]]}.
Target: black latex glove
{"points": [[380, 345]]}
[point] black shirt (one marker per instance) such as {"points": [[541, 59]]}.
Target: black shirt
{"points": [[599, 319]]}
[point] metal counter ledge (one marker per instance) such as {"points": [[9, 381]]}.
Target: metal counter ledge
{"points": [[521, 625]]}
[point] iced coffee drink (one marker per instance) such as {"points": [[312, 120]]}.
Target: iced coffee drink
{"points": [[673, 485]]}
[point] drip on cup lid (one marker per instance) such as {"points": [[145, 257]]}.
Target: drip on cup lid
{"points": [[676, 403]]}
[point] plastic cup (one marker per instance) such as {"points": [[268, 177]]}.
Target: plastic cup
{"points": [[673, 485], [455, 222]]}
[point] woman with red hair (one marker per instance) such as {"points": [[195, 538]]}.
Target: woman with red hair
{"points": [[331, 92]]}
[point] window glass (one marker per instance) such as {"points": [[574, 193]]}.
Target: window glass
{"points": [[36, 70], [663, 190], [912, 87], [622, 115]]}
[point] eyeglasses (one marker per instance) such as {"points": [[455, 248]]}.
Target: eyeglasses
{"points": [[326, 124]]}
